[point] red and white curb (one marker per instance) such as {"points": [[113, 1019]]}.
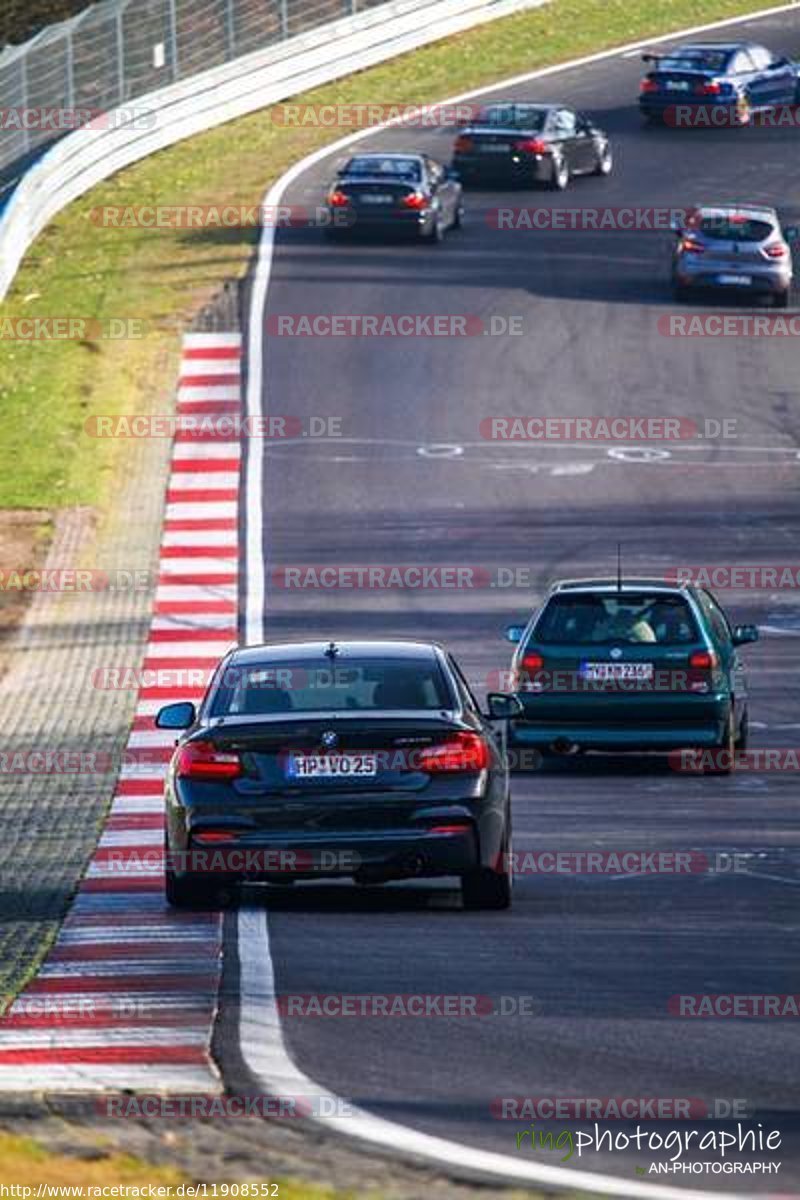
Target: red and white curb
{"points": [[127, 996]]}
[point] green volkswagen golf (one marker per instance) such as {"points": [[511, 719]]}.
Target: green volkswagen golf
{"points": [[639, 665]]}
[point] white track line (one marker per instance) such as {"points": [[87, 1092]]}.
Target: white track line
{"points": [[265, 1054]]}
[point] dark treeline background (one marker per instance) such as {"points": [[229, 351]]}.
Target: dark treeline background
{"points": [[21, 19]]}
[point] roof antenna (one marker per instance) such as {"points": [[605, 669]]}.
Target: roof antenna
{"points": [[332, 651], [619, 566]]}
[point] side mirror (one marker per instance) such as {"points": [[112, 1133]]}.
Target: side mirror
{"points": [[452, 175], [792, 233], [514, 634], [502, 706], [744, 634], [176, 716], [778, 64]]}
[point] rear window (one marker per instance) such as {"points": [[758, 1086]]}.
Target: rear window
{"points": [[396, 168], [596, 619], [271, 688], [695, 60], [513, 116], [734, 229]]}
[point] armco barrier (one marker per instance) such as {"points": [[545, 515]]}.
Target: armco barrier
{"points": [[86, 157]]}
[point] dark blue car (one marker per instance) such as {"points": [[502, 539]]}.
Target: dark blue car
{"points": [[715, 84]]}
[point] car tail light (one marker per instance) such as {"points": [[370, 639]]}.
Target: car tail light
{"points": [[703, 660], [648, 85], [200, 760], [690, 246], [338, 199], [416, 200], [532, 662], [459, 752], [461, 827], [463, 144], [210, 837], [532, 146], [707, 89], [776, 250]]}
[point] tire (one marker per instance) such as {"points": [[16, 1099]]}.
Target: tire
{"points": [[185, 891], [725, 752], [742, 113], [458, 217], [485, 889], [649, 120], [680, 292], [605, 161], [781, 299], [743, 736], [436, 235], [560, 176]]}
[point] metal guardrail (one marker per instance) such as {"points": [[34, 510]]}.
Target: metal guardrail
{"points": [[86, 157], [119, 50]]}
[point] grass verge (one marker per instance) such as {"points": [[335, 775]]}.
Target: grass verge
{"points": [[161, 277]]}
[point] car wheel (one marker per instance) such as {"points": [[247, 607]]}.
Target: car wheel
{"points": [[487, 888], [560, 176], [605, 161], [781, 299], [742, 113], [184, 891], [680, 291], [744, 732], [724, 755], [651, 119], [458, 216], [436, 234]]}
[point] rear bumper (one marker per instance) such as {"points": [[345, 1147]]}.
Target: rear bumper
{"points": [[402, 224], [523, 169], [390, 854], [678, 723], [764, 283]]}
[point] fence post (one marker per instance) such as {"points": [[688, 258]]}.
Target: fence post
{"points": [[23, 67], [173, 38], [120, 56], [230, 26], [70, 71]]}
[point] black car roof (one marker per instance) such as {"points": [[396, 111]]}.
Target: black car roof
{"points": [[313, 651]]}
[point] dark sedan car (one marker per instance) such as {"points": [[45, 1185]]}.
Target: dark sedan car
{"points": [[395, 193], [642, 665], [530, 143], [715, 84], [367, 760]]}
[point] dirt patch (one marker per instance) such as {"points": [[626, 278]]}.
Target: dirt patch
{"points": [[25, 536]]}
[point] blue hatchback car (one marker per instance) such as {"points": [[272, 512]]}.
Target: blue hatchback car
{"points": [[710, 84]]}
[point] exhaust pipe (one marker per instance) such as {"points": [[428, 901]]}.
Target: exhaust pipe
{"points": [[563, 745]]}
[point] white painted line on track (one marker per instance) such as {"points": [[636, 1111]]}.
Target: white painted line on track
{"points": [[266, 1057]]}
